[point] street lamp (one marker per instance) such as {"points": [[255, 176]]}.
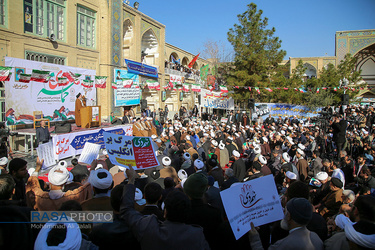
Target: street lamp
{"points": [[136, 5]]}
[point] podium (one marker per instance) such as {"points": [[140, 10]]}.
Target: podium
{"points": [[90, 116]]}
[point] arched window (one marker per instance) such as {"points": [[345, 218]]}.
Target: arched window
{"points": [[149, 47]]}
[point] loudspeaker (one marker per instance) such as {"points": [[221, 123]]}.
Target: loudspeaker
{"points": [[143, 104], [251, 104], [345, 99], [63, 127]]}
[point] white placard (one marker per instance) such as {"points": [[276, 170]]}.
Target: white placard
{"points": [[89, 153], [45, 151], [254, 201]]}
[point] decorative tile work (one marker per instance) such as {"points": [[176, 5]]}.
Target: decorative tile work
{"points": [[363, 33], [341, 48], [328, 61], [145, 26], [127, 15], [357, 44], [116, 31], [313, 63]]}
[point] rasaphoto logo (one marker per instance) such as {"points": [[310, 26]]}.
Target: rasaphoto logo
{"points": [[248, 196]]}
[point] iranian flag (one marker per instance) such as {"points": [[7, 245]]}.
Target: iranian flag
{"points": [[5, 73], [127, 83], [87, 83], [210, 87], [100, 82], [185, 87], [152, 84], [40, 76], [114, 85], [269, 89], [334, 89], [62, 81], [223, 89], [257, 89], [286, 88], [24, 78], [196, 87], [317, 90]]}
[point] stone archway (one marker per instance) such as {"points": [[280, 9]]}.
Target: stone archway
{"points": [[310, 70], [127, 40], [366, 63], [173, 55], [185, 61], [150, 47]]}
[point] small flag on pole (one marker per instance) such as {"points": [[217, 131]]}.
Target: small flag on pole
{"points": [[223, 89], [100, 82]]}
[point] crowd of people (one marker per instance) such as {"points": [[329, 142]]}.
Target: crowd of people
{"points": [[324, 175], [177, 66]]}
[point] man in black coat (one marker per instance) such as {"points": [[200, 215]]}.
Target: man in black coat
{"points": [[203, 214], [230, 147], [339, 130], [239, 166]]}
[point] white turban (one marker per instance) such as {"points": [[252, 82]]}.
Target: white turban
{"points": [[358, 238], [236, 153], [166, 161], [286, 157], [291, 175], [63, 164], [188, 137], [198, 164], [257, 150], [100, 183], [214, 142], [221, 146], [182, 174], [262, 159], [3, 161], [301, 146], [265, 139], [58, 175], [300, 151], [187, 156], [321, 176], [72, 240]]}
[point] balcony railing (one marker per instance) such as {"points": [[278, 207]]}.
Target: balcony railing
{"points": [[190, 76]]}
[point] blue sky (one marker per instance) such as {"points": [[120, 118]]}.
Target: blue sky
{"points": [[306, 28]]}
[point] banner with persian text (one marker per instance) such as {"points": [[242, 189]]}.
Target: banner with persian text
{"points": [[284, 110], [216, 100], [67, 145], [128, 93], [56, 102], [138, 152]]}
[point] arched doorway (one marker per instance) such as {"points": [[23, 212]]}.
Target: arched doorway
{"points": [[366, 63], [185, 61], [127, 40], [310, 70], [149, 47], [172, 56]]}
